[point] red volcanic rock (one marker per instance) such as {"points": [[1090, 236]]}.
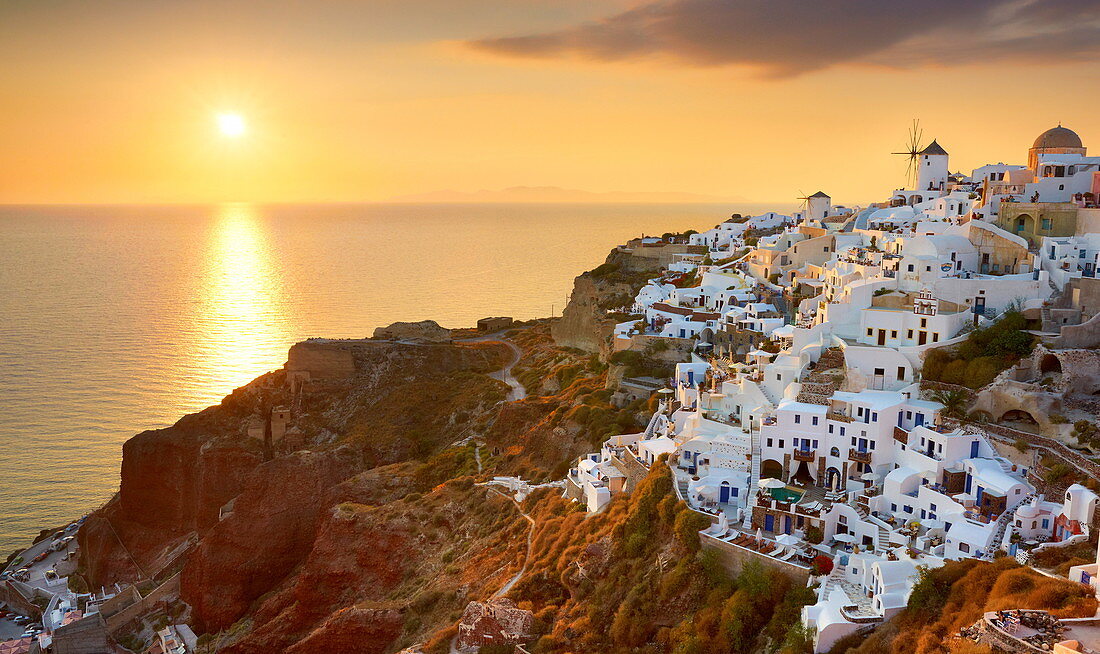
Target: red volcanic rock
{"points": [[271, 529], [353, 629], [174, 482]]}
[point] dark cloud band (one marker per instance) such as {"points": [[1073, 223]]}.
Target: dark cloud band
{"points": [[790, 37]]}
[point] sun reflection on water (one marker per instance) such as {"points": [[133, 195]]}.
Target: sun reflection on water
{"points": [[243, 315]]}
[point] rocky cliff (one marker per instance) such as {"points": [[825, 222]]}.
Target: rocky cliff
{"points": [[584, 322]]}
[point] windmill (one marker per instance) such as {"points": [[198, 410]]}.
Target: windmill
{"points": [[803, 206], [912, 150]]}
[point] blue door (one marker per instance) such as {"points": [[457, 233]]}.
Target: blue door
{"points": [[978, 496], [769, 523], [919, 419], [786, 524], [969, 479], [974, 450], [724, 494], [691, 373]]}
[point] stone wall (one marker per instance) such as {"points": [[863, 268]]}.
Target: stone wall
{"points": [[734, 557], [11, 595], [1087, 334], [633, 469], [167, 591]]}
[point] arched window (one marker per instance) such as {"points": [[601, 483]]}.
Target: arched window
{"points": [[834, 452]]}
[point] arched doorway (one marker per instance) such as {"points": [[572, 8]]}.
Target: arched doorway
{"points": [[770, 468], [1024, 223], [1019, 415], [832, 479], [1050, 364]]}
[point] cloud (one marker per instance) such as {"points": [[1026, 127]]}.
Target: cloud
{"points": [[790, 37]]}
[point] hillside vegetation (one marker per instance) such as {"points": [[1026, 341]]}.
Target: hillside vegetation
{"points": [[635, 579]]}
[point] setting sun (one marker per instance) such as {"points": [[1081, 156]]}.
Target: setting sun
{"points": [[231, 125]]}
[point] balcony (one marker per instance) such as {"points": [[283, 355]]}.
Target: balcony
{"points": [[838, 416], [858, 456], [805, 455], [901, 436]]}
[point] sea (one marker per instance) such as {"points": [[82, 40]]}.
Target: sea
{"points": [[118, 319]]}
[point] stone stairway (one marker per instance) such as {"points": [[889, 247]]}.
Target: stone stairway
{"points": [[883, 539], [682, 487], [1003, 521], [754, 476], [858, 597]]}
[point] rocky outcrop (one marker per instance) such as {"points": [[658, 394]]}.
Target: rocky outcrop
{"points": [[425, 331], [584, 323]]}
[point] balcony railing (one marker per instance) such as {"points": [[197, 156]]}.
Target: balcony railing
{"points": [[836, 415], [901, 435], [858, 456], [805, 455]]}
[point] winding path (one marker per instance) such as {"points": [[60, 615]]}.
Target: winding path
{"points": [[526, 558], [517, 392]]}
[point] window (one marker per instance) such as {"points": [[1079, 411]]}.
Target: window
{"points": [[1046, 222], [894, 508], [901, 373], [842, 431], [797, 419], [834, 452], [872, 445], [815, 421], [910, 267], [874, 417], [923, 323], [815, 444], [964, 548], [928, 269], [769, 442], [907, 508], [931, 507], [909, 334], [853, 441], [893, 333], [935, 337], [780, 443], [830, 428], [870, 331]]}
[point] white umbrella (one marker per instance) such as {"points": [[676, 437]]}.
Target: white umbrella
{"points": [[787, 540], [869, 476], [844, 538], [759, 534], [769, 482], [932, 524]]}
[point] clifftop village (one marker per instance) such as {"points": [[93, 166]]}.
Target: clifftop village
{"points": [[828, 409], [854, 395]]}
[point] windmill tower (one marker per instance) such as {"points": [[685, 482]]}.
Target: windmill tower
{"points": [[814, 208], [912, 151], [933, 171]]}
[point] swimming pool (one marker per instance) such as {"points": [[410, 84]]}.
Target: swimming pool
{"points": [[786, 494]]}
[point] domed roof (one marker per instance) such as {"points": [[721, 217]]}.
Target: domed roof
{"points": [[1058, 137]]}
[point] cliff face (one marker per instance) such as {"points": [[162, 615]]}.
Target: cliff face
{"points": [[358, 405], [270, 530], [584, 322]]}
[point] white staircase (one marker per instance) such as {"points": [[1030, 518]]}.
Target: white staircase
{"points": [[754, 477]]}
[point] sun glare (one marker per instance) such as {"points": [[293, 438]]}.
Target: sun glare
{"points": [[231, 125]]}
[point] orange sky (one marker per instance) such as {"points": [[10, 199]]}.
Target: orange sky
{"points": [[115, 101]]}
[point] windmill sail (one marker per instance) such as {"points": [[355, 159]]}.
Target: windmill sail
{"points": [[912, 150]]}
